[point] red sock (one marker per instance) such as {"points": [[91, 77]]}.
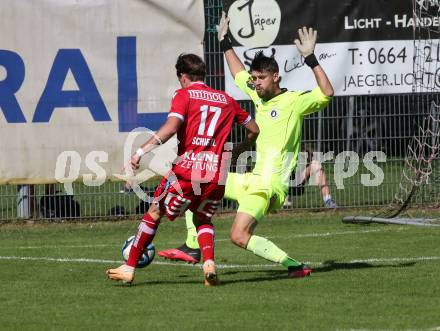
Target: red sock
{"points": [[146, 231], [205, 237]]}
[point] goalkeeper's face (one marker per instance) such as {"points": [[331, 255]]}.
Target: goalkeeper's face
{"points": [[266, 83]]}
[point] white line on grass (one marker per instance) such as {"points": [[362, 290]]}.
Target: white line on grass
{"points": [[63, 246], [56, 259], [221, 266], [304, 235], [398, 259]]}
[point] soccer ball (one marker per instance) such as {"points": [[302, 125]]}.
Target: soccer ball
{"points": [[147, 256]]}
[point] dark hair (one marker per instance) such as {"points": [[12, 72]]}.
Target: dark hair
{"points": [[262, 62], [191, 65]]}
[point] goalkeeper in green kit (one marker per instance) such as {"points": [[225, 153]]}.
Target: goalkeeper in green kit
{"points": [[279, 114]]}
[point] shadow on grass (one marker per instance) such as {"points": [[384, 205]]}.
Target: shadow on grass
{"points": [[270, 275], [331, 265], [326, 266]]}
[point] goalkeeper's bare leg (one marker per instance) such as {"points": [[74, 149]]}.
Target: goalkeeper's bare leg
{"points": [[242, 236]]}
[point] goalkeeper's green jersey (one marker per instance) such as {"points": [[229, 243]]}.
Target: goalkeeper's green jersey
{"points": [[280, 120]]}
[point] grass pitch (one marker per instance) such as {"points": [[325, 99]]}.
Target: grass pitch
{"points": [[374, 277]]}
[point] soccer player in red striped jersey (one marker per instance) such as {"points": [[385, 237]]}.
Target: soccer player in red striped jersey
{"points": [[202, 117], [280, 114]]}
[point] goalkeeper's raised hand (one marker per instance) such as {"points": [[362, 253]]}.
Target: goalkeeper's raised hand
{"points": [[222, 27], [222, 33], [306, 45], [307, 41]]}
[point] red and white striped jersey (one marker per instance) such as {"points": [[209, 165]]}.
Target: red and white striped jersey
{"points": [[208, 116]]}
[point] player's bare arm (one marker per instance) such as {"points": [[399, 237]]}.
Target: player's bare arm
{"points": [[160, 137], [252, 131], [234, 63], [306, 46]]}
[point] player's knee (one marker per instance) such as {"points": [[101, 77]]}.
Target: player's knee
{"points": [[239, 238], [201, 219]]}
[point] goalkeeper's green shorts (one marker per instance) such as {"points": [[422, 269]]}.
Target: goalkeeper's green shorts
{"points": [[255, 195]]}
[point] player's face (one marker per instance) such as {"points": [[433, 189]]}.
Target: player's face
{"points": [[266, 83]]}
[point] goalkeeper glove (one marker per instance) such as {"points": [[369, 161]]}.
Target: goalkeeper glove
{"points": [[306, 45], [222, 33]]}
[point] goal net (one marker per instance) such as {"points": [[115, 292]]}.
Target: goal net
{"points": [[417, 200]]}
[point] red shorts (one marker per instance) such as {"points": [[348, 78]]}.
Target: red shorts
{"points": [[175, 196]]}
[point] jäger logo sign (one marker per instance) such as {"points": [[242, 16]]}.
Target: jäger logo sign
{"points": [[254, 23]]}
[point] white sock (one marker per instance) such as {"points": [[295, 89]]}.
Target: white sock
{"points": [[326, 197]]}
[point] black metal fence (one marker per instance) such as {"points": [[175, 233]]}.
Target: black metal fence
{"points": [[356, 123]]}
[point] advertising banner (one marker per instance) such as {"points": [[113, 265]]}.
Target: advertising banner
{"points": [[365, 47], [76, 76]]}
